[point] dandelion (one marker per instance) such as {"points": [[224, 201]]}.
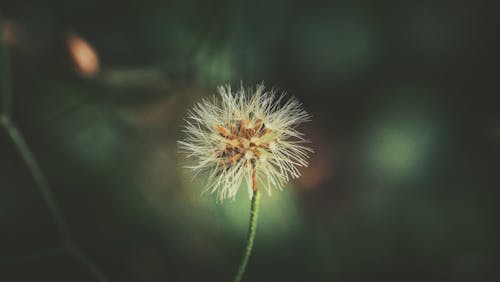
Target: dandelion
{"points": [[248, 136]]}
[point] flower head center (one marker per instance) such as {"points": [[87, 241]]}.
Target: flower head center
{"points": [[243, 140]]}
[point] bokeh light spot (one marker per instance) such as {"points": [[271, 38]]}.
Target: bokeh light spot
{"points": [[84, 56], [399, 147]]}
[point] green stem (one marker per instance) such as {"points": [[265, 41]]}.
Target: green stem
{"points": [[87, 262], [252, 228], [36, 172], [68, 243]]}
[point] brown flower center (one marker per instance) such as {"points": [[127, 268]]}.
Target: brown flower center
{"points": [[243, 140]]}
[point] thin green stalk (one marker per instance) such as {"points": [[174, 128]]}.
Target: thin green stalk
{"points": [[252, 228], [68, 244], [41, 183], [5, 75], [67, 241], [87, 262]]}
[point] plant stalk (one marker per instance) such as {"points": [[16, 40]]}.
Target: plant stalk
{"points": [[252, 228], [40, 181], [68, 244]]}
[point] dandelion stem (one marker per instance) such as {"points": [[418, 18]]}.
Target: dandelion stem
{"points": [[252, 228]]}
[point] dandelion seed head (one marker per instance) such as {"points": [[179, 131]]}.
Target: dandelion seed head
{"points": [[247, 136]]}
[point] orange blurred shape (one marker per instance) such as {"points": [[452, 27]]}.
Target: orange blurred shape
{"points": [[319, 170], [84, 56], [14, 34], [8, 32], [321, 163]]}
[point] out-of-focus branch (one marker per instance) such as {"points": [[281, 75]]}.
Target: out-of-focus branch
{"points": [[32, 165], [68, 245]]}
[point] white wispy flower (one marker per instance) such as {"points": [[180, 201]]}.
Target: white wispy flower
{"points": [[249, 135]]}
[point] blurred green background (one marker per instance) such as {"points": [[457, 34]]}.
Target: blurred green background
{"points": [[403, 186]]}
